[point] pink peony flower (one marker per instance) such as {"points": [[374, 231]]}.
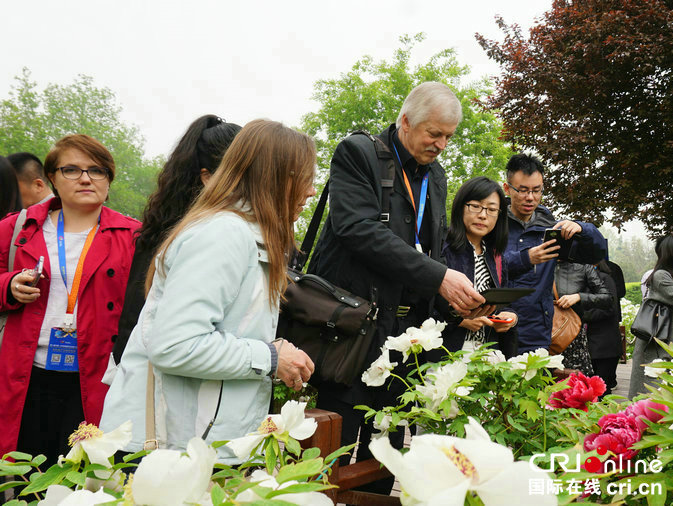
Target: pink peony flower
{"points": [[618, 432], [643, 410], [580, 392]]}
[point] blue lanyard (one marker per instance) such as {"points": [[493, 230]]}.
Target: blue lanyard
{"points": [[423, 196], [60, 239]]}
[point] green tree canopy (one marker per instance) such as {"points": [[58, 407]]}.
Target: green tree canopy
{"points": [[32, 120], [591, 90], [370, 95]]}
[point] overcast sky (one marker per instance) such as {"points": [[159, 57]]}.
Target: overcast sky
{"points": [[171, 61]]}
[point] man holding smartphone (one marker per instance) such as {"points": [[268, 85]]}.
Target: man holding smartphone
{"points": [[530, 260]]}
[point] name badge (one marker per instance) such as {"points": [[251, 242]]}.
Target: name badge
{"points": [[62, 350]]}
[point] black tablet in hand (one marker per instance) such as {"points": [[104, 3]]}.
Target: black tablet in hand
{"points": [[499, 296]]}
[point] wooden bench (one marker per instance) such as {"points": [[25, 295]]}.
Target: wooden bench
{"points": [[327, 437]]}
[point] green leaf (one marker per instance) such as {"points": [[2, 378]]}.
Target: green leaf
{"points": [[338, 453], [270, 456], [298, 488], [76, 477], [310, 453], [51, 476], [11, 469], [217, 495], [293, 446], [300, 470], [11, 484], [38, 460], [19, 456]]}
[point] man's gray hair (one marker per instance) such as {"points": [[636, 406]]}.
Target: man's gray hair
{"points": [[428, 98]]}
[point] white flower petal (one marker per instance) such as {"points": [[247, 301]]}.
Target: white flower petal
{"points": [[165, 477], [100, 449], [243, 446], [510, 486], [304, 430]]}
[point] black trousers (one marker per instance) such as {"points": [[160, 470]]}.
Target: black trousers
{"points": [[606, 368], [52, 412], [352, 422]]}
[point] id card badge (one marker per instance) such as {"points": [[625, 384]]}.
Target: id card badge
{"points": [[62, 350]]}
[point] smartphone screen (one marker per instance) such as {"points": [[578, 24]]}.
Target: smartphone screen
{"points": [[37, 271]]}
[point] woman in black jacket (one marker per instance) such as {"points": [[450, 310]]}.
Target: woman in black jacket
{"points": [[605, 340], [188, 168], [580, 288], [475, 241]]}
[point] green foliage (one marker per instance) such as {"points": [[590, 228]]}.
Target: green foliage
{"points": [[282, 394], [370, 95], [509, 399], [655, 444], [633, 293], [589, 89], [634, 255], [32, 120]]}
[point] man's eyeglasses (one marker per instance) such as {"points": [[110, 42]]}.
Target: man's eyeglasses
{"points": [[477, 209], [535, 192], [94, 173]]}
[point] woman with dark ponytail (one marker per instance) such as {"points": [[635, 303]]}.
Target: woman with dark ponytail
{"points": [[188, 168]]}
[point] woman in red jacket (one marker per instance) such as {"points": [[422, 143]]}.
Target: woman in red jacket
{"points": [[62, 324]]}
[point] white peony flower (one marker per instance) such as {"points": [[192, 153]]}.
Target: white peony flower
{"points": [[385, 425], [290, 420], [428, 337], [380, 369], [445, 379], [97, 445], [439, 470], [522, 362], [60, 495], [266, 480], [655, 372], [169, 478]]}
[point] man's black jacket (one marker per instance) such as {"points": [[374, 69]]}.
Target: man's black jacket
{"points": [[357, 251]]}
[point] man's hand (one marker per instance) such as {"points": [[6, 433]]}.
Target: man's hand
{"points": [[544, 252], [568, 228], [457, 289], [568, 300]]}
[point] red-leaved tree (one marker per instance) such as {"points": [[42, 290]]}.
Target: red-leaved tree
{"points": [[591, 91]]}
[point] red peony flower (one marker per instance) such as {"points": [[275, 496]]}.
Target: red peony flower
{"points": [[581, 391], [618, 432], [642, 410]]}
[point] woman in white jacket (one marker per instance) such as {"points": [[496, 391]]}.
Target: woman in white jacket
{"points": [[207, 328]]}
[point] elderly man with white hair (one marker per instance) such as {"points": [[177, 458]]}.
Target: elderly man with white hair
{"points": [[389, 238]]}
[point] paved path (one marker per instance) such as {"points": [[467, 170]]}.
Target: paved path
{"points": [[623, 378]]}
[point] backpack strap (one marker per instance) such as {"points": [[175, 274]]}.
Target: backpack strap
{"points": [[20, 220], [387, 173]]}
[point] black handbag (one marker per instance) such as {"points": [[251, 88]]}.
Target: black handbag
{"points": [[654, 319], [333, 326]]}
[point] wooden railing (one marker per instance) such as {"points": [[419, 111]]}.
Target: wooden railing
{"points": [[327, 437]]}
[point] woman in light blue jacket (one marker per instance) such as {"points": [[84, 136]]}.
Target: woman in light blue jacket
{"points": [[207, 328]]}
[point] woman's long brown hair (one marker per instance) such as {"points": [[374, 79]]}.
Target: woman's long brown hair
{"points": [[268, 169]]}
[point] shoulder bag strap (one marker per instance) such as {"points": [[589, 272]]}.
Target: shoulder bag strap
{"points": [[555, 292], [498, 267], [151, 442], [311, 231], [20, 220]]}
